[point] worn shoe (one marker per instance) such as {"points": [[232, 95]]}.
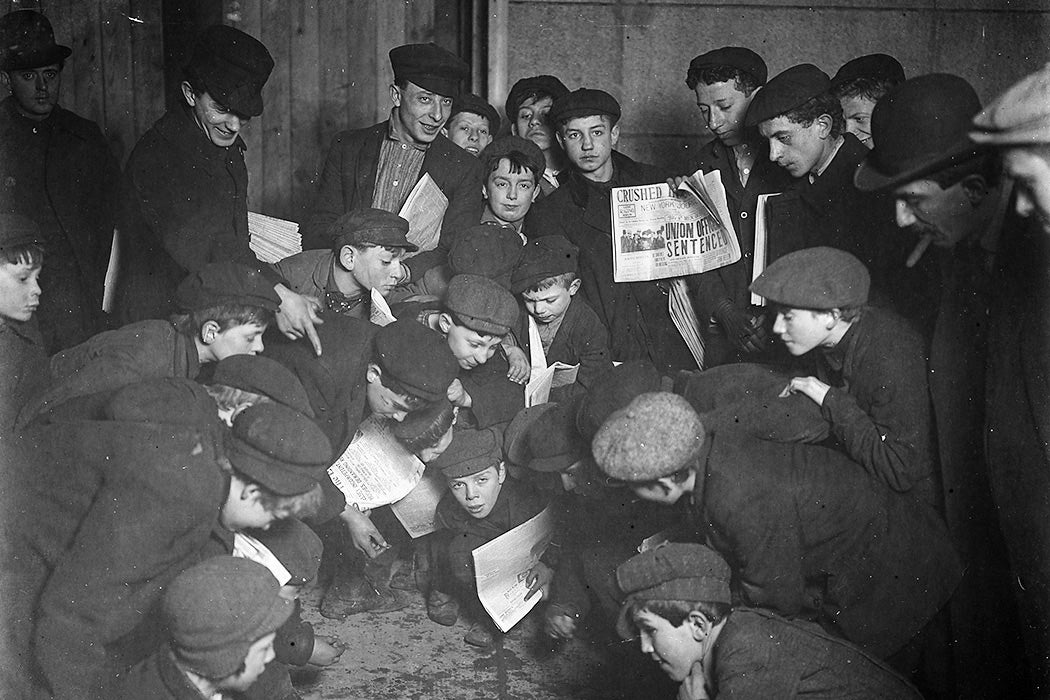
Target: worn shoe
{"points": [[442, 608], [342, 600], [481, 634], [404, 577]]}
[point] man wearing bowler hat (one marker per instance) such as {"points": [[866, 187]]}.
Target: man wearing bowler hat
{"points": [[379, 165], [56, 169]]}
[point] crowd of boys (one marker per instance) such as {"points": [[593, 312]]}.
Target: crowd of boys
{"points": [[840, 492]]}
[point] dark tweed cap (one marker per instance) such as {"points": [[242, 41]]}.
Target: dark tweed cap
{"points": [[736, 57], [489, 250], [583, 102], [232, 67], [506, 145], [675, 571], [469, 102], [279, 448], [543, 257], [1019, 116], [430, 422], [263, 376], [225, 283], [815, 278], [544, 438], [614, 390], [481, 304], [417, 358], [470, 452], [654, 436], [430, 67], [526, 88], [786, 91], [17, 230], [919, 127], [296, 546], [217, 609], [877, 66], [28, 41], [374, 226]]}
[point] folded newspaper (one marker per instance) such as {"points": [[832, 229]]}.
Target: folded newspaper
{"points": [[273, 239], [424, 210], [375, 469], [658, 233]]}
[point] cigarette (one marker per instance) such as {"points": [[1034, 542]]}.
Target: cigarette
{"points": [[917, 252]]}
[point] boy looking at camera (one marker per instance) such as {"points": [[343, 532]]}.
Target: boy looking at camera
{"points": [[513, 173], [472, 123]]}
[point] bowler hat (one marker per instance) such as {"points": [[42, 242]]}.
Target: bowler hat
{"points": [[786, 91], [584, 102], [481, 304], [738, 57], [263, 376], [221, 283], [373, 226], [815, 278], [430, 67], [876, 66], [1019, 116], [505, 145], [544, 438], [615, 389], [920, 127], [469, 102], [232, 67], [470, 452], [488, 249], [28, 41], [528, 88], [217, 609], [674, 571], [279, 448], [417, 358], [543, 257], [17, 231]]}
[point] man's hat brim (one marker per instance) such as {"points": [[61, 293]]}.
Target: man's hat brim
{"points": [[871, 177]]}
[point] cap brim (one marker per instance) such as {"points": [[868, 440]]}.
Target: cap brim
{"points": [[1035, 135], [868, 178], [284, 481]]}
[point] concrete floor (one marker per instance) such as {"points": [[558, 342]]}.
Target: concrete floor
{"points": [[403, 655]]}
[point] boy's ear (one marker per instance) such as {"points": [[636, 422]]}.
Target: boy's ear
{"points": [[347, 257], [445, 322], [615, 134], [187, 92], [574, 286], [373, 373], [699, 625], [209, 332], [976, 189], [395, 95], [501, 472], [824, 123]]}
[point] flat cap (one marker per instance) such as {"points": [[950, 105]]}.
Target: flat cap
{"points": [[17, 231], [786, 91], [279, 448], [544, 438], [470, 452], [815, 278], [296, 546], [222, 283], [584, 102], [528, 154], [614, 390], [217, 609], [374, 226], [469, 102], [875, 66], [738, 57], [430, 67], [674, 571], [652, 437], [417, 358], [28, 41], [543, 257], [490, 250], [1019, 116], [481, 304], [919, 127], [535, 87], [232, 67], [263, 376], [423, 428]]}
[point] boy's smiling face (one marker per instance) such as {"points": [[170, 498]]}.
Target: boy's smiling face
{"points": [[549, 304], [477, 493]]}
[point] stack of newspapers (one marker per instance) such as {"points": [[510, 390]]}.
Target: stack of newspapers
{"points": [[273, 239]]}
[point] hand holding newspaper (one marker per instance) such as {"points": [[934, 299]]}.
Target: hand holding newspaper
{"points": [[424, 210], [375, 469]]}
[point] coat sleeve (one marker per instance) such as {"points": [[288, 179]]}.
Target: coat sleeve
{"points": [[294, 643], [494, 398], [330, 202], [754, 664]]}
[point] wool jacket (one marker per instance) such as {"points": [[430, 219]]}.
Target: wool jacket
{"points": [[24, 370], [158, 678]]}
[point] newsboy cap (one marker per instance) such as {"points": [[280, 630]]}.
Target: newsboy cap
{"points": [[481, 304], [417, 358], [469, 102], [232, 67], [430, 67], [876, 66], [544, 438], [738, 57], [674, 571], [652, 437], [1019, 116], [584, 102], [369, 225], [217, 609], [815, 278], [543, 257], [786, 91], [488, 249], [221, 283], [506, 145], [296, 546], [28, 41], [279, 448], [17, 231], [615, 389], [263, 376], [919, 127], [530, 88], [470, 452]]}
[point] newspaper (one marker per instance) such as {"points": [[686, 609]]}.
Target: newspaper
{"points": [[273, 239], [541, 381], [659, 234], [424, 209], [761, 242], [418, 509], [109, 289], [380, 314], [375, 469], [502, 565]]}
